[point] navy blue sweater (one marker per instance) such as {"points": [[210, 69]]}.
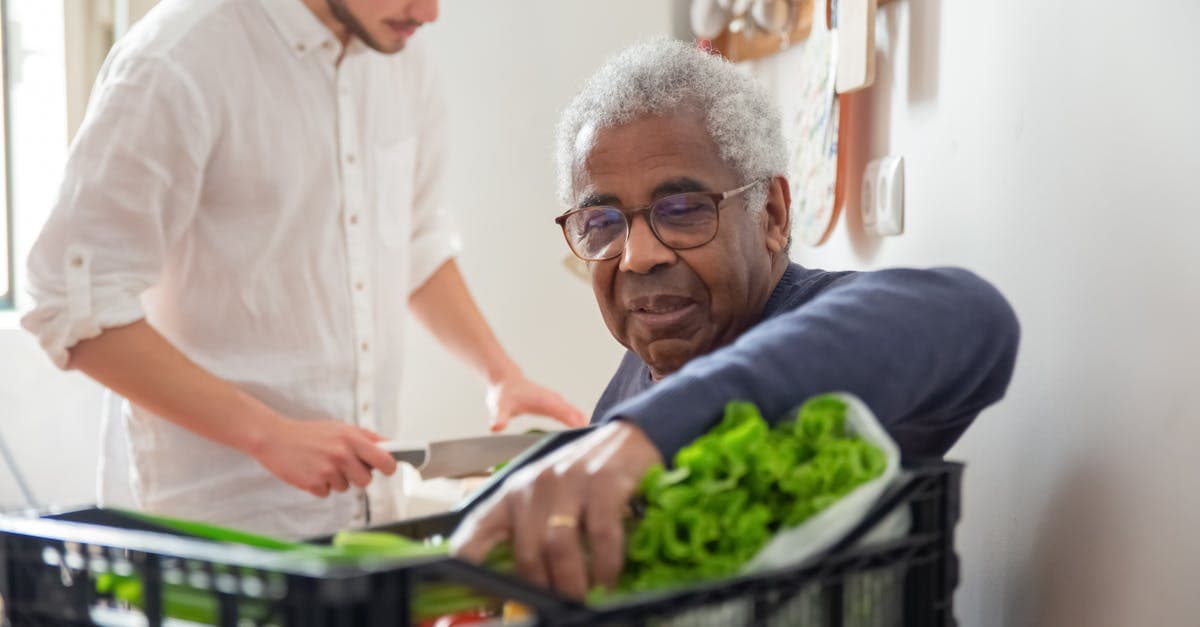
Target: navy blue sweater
{"points": [[926, 350]]}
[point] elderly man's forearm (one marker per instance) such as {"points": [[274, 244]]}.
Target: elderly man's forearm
{"points": [[926, 350]]}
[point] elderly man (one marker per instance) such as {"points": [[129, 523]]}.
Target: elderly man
{"points": [[673, 163]]}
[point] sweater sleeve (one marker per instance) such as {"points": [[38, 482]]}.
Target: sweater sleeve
{"points": [[926, 350]]}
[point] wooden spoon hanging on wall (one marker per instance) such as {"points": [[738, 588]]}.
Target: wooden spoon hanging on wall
{"points": [[754, 43]]}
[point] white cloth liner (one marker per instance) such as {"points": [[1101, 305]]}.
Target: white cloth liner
{"points": [[792, 546]]}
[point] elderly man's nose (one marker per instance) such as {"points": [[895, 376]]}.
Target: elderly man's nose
{"points": [[643, 251]]}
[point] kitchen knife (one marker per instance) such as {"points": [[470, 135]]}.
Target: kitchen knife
{"points": [[460, 457]]}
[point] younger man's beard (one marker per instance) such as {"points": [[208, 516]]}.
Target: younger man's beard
{"points": [[347, 19]]}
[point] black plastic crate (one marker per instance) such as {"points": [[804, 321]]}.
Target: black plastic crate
{"points": [[49, 566]]}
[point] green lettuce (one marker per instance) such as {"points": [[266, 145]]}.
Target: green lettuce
{"points": [[738, 485]]}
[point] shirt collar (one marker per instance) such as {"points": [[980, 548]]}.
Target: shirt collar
{"points": [[300, 28]]}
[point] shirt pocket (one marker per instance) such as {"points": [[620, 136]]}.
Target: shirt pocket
{"points": [[395, 186]]}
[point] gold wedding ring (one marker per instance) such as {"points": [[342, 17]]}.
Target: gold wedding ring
{"points": [[562, 520]]}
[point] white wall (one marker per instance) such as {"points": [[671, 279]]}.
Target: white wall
{"points": [[1053, 147], [507, 75], [50, 422]]}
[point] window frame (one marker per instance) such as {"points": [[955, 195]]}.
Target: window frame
{"points": [[8, 297]]}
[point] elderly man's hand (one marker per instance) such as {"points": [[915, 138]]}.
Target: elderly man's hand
{"points": [[580, 491]]}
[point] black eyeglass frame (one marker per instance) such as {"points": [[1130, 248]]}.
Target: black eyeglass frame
{"points": [[717, 199]]}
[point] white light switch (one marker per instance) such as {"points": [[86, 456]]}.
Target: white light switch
{"points": [[882, 202], [889, 215], [867, 202]]}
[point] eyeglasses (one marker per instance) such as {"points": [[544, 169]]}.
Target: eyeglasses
{"points": [[679, 221]]}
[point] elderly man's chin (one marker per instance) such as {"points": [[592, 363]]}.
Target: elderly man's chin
{"points": [[666, 340], [665, 355]]}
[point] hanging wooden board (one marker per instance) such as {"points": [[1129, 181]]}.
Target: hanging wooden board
{"points": [[802, 80], [854, 22]]}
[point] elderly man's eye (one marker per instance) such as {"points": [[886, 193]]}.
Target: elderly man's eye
{"points": [[684, 211], [601, 221], [677, 209]]}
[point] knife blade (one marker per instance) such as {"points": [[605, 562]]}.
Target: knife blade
{"points": [[462, 456]]}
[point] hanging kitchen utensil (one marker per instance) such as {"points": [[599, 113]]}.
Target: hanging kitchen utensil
{"points": [[708, 18], [753, 29], [773, 16]]}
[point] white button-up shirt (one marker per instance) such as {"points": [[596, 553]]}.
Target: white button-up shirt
{"points": [[268, 209]]}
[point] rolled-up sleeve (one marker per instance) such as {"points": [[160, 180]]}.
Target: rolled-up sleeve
{"points": [[434, 237], [130, 190]]}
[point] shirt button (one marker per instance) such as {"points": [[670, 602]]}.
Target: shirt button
{"points": [[354, 218], [77, 262], [328, 45], [365, 346], [358, 286], [301, 47], [350, 159], [366, 407]]}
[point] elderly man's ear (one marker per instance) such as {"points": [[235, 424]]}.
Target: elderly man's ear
{"points": [[778, 214]]}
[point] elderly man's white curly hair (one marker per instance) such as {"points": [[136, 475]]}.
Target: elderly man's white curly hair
{"points": [[664, 76]]}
